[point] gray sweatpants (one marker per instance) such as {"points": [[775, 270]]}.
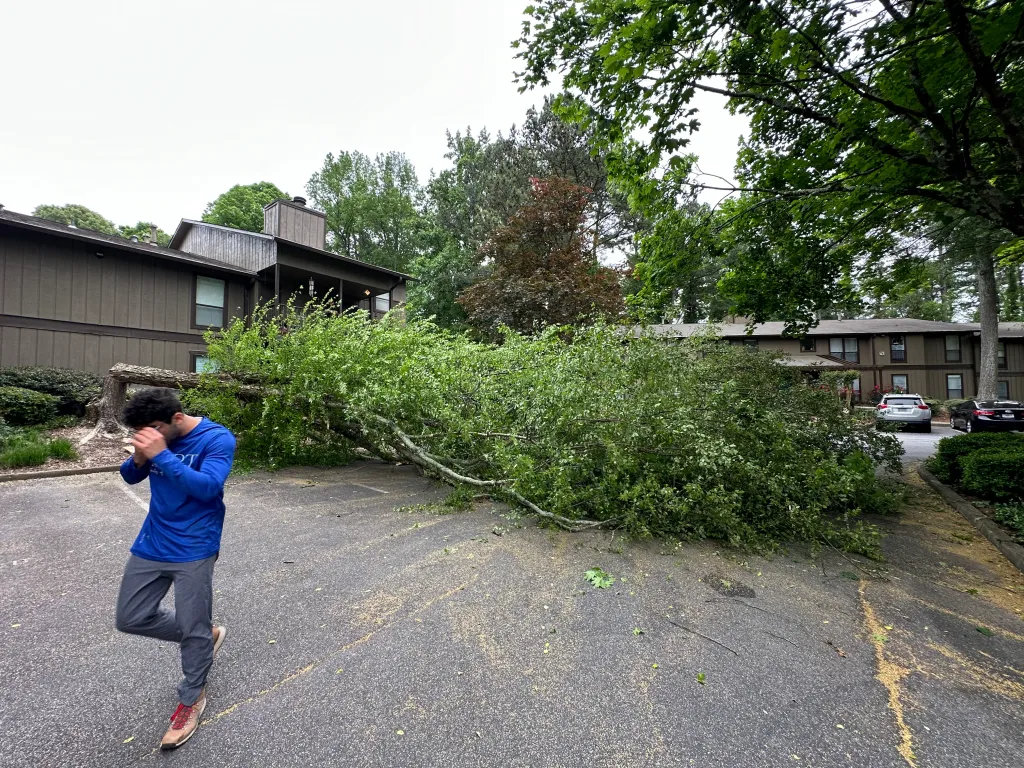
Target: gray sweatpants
{"points": [[143, 587]]}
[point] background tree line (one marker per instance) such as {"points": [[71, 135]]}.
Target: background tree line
{"points": [[882, 175]]}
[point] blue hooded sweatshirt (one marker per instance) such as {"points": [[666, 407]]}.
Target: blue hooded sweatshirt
{"points": [[186, 506]]}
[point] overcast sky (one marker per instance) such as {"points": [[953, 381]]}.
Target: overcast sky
{"points": [[149, 110]]}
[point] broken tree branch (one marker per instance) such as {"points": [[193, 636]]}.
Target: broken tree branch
{"points": [[108, 409], [419, 456], [698, 634]]}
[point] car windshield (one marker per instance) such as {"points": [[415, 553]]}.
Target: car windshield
{"points": [[902, 401], [999, 404]]}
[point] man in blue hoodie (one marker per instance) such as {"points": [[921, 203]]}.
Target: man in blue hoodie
{"points": [[187, 459]]}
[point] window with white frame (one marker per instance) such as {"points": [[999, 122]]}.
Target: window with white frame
{"points": [[899, 382], [209, 302], [954, 386], [1003, 390]]}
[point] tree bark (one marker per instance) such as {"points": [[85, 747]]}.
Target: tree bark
{"points": [[988, 310], [107, 411]]}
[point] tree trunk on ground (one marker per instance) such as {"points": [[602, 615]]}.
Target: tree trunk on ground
{"points": [[106, 412], [988, 310]]}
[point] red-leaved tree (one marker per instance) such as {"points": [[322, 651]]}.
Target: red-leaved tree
{"points": [[542, 267]]}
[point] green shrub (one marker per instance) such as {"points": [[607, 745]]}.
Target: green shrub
{"points": [[7, 432], [994, 474], [21, 406], [74, 389], [946, 464], [1012, 516]]}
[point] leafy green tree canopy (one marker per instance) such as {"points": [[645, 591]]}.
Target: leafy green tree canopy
{"points": [[372, 206], [864, 116], [143, 231], [875, 104], [241, 207], [77, 215]]}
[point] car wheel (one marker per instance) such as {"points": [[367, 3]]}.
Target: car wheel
{"points": [[968, 426], [926, 427]]}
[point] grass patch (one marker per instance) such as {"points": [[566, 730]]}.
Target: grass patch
{"points": [[28, 448], [63, 449]]}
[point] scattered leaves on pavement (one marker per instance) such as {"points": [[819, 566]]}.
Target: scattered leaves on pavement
{"points": [[701, 678], [598, 578], [985, 631]]}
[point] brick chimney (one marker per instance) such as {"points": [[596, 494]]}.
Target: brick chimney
{"points": [[291, 220]]}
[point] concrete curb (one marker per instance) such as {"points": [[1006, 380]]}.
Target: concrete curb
{"points": [[58, 473], [1001, 540]]}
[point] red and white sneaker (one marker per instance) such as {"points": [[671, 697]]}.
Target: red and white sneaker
{"points": [[184, 723]]}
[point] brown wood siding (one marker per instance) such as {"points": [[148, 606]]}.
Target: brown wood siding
{"points": [[935, 349], [59, 280], [271, 220], [60, 305], [300, 225], [240, 249], [789, 346], [91, 352]]}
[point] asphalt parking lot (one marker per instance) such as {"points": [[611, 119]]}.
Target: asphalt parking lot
{"points": [[363, 633], [919, 445]]}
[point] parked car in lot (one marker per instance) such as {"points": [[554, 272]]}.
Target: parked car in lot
{"points": [[904, 409], [987, 416]]}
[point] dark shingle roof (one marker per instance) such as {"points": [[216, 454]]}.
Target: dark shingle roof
{"points": [[824, 328], [37, 224]]}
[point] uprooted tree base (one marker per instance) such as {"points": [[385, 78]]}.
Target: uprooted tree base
{"points": [[107, 411]]}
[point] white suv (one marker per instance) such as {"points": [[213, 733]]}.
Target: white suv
{"points": [[904, 409]]}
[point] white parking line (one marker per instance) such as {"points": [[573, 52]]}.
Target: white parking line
{"points": [[369, 488], [134, 497]]}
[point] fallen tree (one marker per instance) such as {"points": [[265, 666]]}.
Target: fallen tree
{"points": [[691, 440], [106, 412]]}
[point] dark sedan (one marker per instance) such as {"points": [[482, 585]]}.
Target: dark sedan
{"points": [[987, 416]]}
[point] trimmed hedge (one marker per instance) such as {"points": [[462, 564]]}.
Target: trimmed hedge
{"points": [[73, 389], [24, 407], [947, 464], [996, 475]]}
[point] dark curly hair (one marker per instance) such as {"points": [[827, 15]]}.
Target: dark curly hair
{"points": [[149, 405]]}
